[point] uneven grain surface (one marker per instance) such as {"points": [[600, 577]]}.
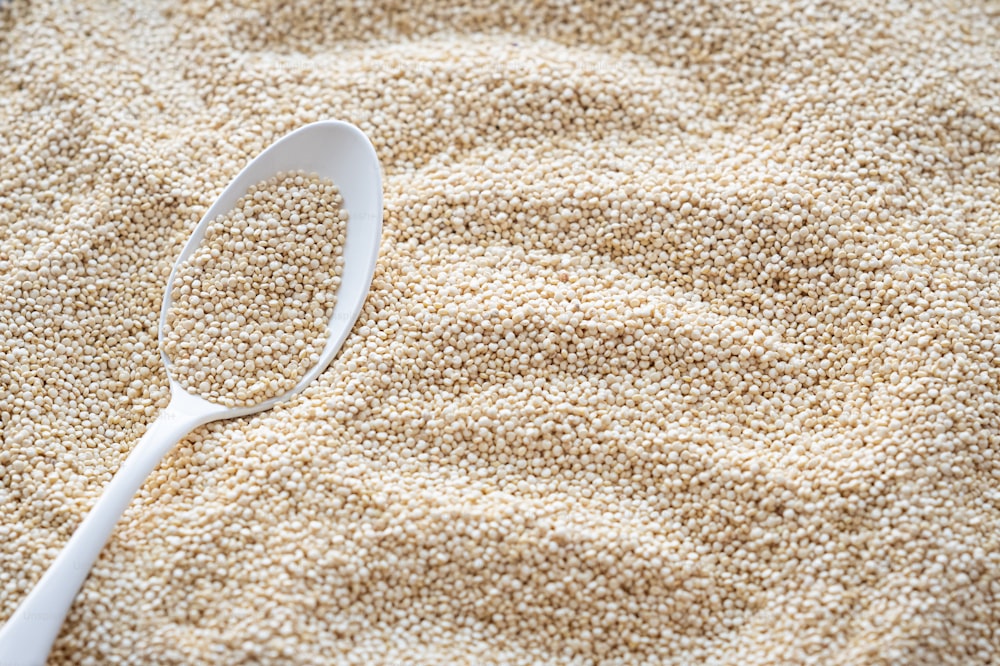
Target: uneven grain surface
{"points": [[682, 346]]}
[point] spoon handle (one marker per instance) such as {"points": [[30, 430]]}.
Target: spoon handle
{"points": [[27, 637]]}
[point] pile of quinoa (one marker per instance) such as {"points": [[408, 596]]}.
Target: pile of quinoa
{"points": [[682, 346], [250, 306]]}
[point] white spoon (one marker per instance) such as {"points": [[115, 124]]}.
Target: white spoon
{"points": [[331, 149]]}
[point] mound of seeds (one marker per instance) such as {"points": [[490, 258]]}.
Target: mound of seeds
{"points": [[683, 345], [250, 307]]}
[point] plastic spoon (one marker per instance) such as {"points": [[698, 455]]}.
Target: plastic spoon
{"points": [[335, 150]]}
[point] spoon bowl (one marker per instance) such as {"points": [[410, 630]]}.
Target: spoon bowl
{"points": [[334, 150]]}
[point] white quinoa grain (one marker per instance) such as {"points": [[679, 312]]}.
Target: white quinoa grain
{"points": [[250, 307], [682, 345]]}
